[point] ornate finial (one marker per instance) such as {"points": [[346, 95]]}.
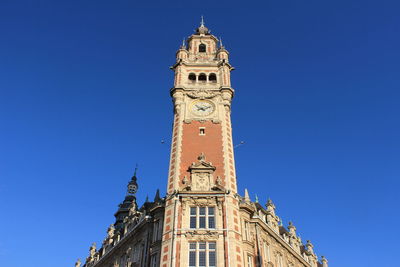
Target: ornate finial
{"points": [[202, 29], [220, 42], [147, 199], [183, 46], [256, 198], [201, 157]]}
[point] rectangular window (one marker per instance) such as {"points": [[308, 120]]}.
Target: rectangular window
{"points": [[211, 218], [202, 131], [249, 261], [267, 255], [192, 255], [246, 230], [202, 217], [153, 261], [156, 228], [193, 217], [280, 261], [202, 254]]}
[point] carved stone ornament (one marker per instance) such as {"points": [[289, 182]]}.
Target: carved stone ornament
{"points": [[201, 174], [202, 94], [200, 235]]}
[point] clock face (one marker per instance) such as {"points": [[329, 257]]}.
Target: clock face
{"points": [[202, 107]]}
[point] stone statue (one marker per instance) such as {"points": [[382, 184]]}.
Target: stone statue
{"points": [[132, 208], [110, 231], [78, 263], [218, 181], [92, 250]]}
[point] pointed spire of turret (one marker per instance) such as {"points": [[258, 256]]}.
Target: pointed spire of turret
{"points": [[136, 167], [246, 195], [221, 46], [256, 198], [157, 196], [202, 21], [147, 199], [183, 46]]}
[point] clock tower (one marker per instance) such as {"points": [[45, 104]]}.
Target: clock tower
{"points": [[202, 221], [202, 211]]}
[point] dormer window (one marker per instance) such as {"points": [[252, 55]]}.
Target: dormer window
{"points": [[202, 48], [212, 78]]}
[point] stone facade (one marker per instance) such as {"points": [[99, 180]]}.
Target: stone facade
{"points": [[202, 221]]}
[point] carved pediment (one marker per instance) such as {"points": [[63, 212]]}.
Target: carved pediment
{"points": [[201, 174], [201, 165]]}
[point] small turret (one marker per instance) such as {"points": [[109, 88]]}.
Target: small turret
{"points": [[222, 53], [182, 53], [129, 201]]}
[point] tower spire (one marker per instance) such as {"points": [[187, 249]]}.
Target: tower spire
{"points": [[136, 167], [202, 21]]}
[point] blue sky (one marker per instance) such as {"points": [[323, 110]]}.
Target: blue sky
{"points": [[84, 96]]}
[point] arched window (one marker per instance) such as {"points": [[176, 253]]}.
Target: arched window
{"points": [[212, 78], [202, 48], [192, 77], [202, 77]]}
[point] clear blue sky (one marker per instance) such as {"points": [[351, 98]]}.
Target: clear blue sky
{"points": [[84, 96]]}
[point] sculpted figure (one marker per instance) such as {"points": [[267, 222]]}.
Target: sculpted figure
{"points": [[110, 231], [133, 208], [92, 250]]}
